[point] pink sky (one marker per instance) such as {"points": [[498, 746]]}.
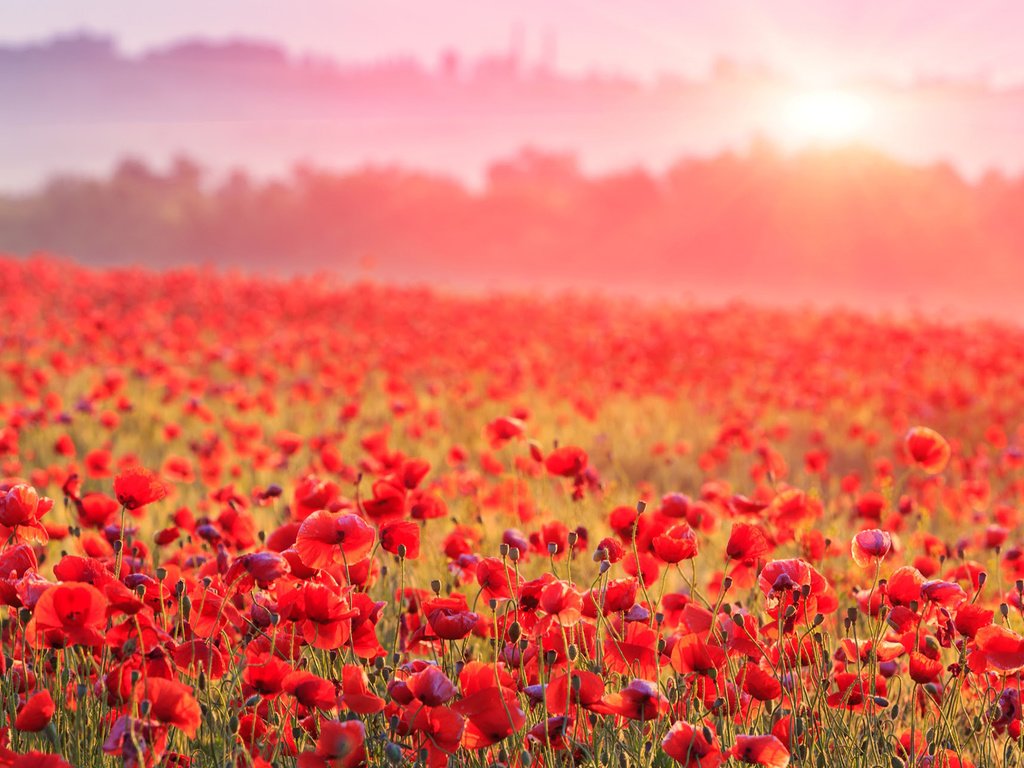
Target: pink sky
{"points": [[808, 38]]}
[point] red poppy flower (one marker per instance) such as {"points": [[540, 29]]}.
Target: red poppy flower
{"points": [[20, 506], [71, 613], [766, 751], [924, 669], [310, 691], [562, 603], [945, 593], [431, 686], [971, 617], [340, 745], [760, 684], [634, 652], [567, 461], [747, 543], [503, 429], [582, 688], [326, 539], [357, 696], [791, 582], [870, 547], [262, 568], [136, 487], [1003, 649], [401, 533], [495, 578], [327, 617], [34, 759], [197, 654], [640, 700], [904, 586], [171, 703], [676, 544], [265, 674], [36, 713], [692, 654], [492, 714], [928, 449], [449, 617], [690, 746]]}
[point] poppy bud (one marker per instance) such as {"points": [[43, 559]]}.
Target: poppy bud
{"points": [[982, 578], [513, 554], [600, 555], [393, 753], [435, 586], [1004, 609], [605, 565], [727, 583], [525, 758], [640, 507], [572, 652], [145, 705], [503, 549], [552, 548]]}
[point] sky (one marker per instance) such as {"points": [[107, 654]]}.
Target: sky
{"points": [[811, 39]]}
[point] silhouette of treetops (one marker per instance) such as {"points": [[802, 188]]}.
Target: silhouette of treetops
{"points": [[817, 223]]}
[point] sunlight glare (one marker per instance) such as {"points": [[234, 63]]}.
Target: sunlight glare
{"points": [[829, 116]]}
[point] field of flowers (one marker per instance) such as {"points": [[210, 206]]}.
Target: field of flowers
{"points": [[247, 522]]}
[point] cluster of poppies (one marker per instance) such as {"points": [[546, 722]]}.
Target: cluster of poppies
{"points": [[258, 523]]}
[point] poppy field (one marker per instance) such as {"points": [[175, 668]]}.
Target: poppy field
{"points": [[264, 522]]}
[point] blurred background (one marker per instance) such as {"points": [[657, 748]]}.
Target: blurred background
{"points": [[804, 151]]}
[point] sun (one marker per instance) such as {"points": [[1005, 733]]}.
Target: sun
{"points": [[829, 115]]}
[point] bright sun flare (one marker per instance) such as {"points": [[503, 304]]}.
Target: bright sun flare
{"points": [[828, 115]]}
